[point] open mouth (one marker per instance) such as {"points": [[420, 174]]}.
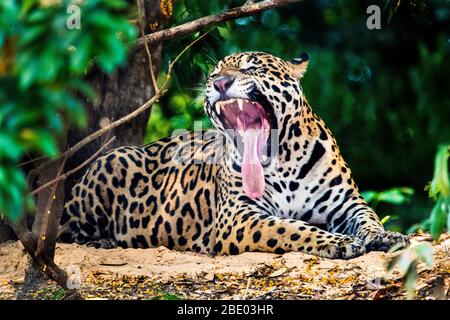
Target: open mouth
{"points": [[249, 124]]}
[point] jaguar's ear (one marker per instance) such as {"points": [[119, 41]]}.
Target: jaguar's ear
{"points": [[298, 66]]}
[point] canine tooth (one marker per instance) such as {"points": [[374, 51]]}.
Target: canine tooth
{"points": [[218, 107], [240, 104]]}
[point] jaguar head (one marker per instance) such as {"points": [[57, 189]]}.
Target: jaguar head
{"points": [[248, 95]]}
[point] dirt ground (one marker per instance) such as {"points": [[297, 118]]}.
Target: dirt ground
{"points": [[160, 273]]}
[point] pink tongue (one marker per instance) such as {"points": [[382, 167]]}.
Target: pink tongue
{"points": [[252, 170]]}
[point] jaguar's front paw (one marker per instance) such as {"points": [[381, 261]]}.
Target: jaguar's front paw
{"points": [[385, 240], [346, 247]]}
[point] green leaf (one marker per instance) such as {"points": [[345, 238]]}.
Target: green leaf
{"points": [[411, 280], [441, 182], [116, 4], [385, 219], [11, 191], [27, 5], [397, 196], [438, 218], [26, 76], [403, 260], [199, 61], [39, 140], [425, 252], [79, 58], [369, 196], [8, 142], [32, 34], [224, 32], [394, 196]]}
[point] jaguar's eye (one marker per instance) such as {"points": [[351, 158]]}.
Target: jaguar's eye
{"points": [[213, 75], [250, 69]]}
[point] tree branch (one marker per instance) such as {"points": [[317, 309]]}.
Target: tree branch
{"points": [[192, 26], [70, 172], [107, 128]]}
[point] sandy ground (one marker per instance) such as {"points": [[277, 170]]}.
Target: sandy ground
{"points": [[166, 274]]}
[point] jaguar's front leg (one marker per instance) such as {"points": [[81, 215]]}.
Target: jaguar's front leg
{"points": [[359, 220], [250, 230]]}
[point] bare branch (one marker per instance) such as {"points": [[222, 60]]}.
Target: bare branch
{"points": [[192, 26], [32, 160]]}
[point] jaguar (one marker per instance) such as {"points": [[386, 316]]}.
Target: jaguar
{"points": [[269, 177]]}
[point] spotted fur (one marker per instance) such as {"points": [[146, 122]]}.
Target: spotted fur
{"points": [[146, 196]]}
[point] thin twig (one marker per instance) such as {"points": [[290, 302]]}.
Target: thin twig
{"points": [[192, 26], [70, 172], [172, 63], [149, 54], [246, 289], [32, 160]]}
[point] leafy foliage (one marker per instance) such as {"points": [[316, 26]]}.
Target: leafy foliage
{"points": [[42, 63], [407, 262], [439, 190], [394, 196]]}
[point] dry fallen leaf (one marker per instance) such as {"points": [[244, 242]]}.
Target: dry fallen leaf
{"points": [[278, 273], [209, 277]]}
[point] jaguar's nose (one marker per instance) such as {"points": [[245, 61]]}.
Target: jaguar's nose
{"points": [[223, 83]]}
